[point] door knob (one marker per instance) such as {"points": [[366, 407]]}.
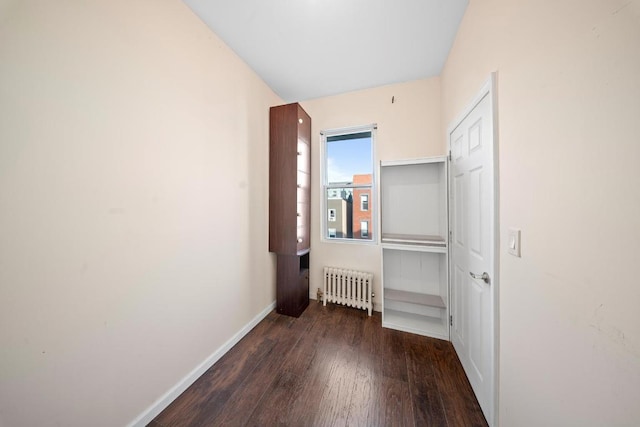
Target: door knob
{"points": [[484, 276]]}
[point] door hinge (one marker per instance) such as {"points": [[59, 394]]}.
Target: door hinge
{"points": [[449, 155], [450, 320], [450, 236]]}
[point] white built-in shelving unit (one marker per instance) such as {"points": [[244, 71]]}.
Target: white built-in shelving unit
{"points": [[413, 215]]}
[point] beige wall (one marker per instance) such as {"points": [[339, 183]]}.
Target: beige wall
{"points": [[133, 205], [410, 127], [569, 101]]}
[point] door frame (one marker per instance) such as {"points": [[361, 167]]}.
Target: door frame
{"points": [[489, 88]]}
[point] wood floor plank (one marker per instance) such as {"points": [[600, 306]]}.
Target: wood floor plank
{"points": [[396, 399], [459, 402], [273, 409], [296, 398], [254, 386], [366, 409], [350, 327], [332, 366], [371, 338], [325, 321], [338, 391], [342, 328], [309, 387], [211, 391], [304, 376], [427, 405], [394, 363]]}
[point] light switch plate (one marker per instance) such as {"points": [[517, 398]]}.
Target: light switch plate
{"points": [[513, 242]]}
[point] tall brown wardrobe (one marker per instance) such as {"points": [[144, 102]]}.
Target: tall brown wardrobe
{"points": [[289, 204]]}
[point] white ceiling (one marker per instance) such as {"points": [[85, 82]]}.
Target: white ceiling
{"points": [[306, 49]]}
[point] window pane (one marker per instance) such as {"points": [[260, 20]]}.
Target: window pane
{"points": [[364, 229], [348, 156], [340, 212], [348, 184], [361, 213], [364, 202]]}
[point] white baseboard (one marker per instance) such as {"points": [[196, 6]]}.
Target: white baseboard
{"points": [[159, 405], [377, 307]]}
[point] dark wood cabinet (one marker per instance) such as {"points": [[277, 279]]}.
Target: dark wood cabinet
{"points": [[292, 288], [289, 204]]}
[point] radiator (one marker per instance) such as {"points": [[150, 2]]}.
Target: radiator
{"points": [[348, 287]]}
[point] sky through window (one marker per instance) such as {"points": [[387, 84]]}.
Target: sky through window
{"points": [[348, 155]]}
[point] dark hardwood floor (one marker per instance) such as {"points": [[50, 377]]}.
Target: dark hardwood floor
{"points": [[333, 366]]}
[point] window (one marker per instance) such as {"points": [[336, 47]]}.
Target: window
{"points": [[364, 229], [364, 202], [347, 183]]}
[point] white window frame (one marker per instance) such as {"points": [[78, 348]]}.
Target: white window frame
{"points": [[325, 186]]}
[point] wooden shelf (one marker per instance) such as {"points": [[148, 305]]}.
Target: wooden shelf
{"points": [[414, 161], [414, 239], [414, 247], [415, 323], [414, 298]]}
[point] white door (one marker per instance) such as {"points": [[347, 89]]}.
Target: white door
{"points": [[472, 225]]}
